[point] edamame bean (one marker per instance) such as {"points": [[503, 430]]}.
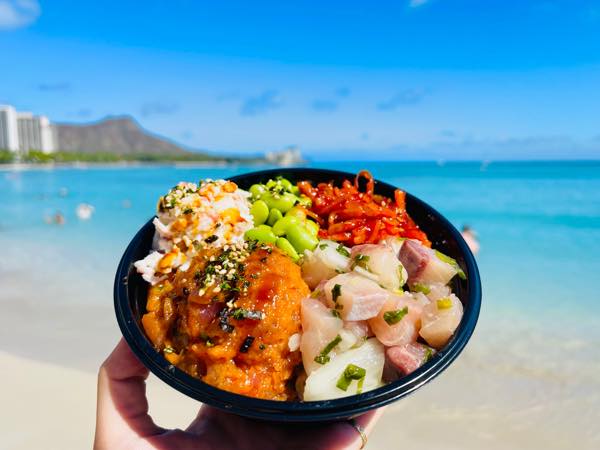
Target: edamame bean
{"points": [[260, 212], [257, 190], [301, 238], [312, 227], [283, 202], [274, 216], [261, 233], [281, 226], [287, 185], [298, 213], [288, 248]]}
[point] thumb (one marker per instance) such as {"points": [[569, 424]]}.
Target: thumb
{"points": [[122, 410]]}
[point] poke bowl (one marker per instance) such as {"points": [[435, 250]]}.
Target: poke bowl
{"points": [[203, 367]]}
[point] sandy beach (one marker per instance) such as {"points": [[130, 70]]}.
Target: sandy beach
{"points": [[488, 398]]}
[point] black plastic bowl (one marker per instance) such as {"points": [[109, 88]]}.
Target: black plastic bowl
{"points": [[130, 304]]}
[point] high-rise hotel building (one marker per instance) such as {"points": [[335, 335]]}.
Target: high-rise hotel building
{"points": [[22, 131]]}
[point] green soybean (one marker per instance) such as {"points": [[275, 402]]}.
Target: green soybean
{"points": [[301, 238], [281, 226], [312, 227], [257, 190], [287, 185], [297, 212], [261, 233], [260, 212], [283, 202], [274, 216], [288, 248]]}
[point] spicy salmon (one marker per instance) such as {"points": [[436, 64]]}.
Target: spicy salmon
{"points": [[229, 317]]}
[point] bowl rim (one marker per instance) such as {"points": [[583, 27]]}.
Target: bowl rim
{"points": [[298, 411]]}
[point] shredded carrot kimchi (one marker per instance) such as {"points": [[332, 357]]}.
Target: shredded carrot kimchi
{"points": [[353, 217]]}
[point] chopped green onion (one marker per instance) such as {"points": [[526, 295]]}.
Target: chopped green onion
{"points": [[352, 372], [323, 358], [448, 260], [342, 250], [401, 276], [359, 385], [393, 317], [419, 287], [428, 354], [444, 303], [322, 246], [335, 313], [336, 292], [242, 313], [361, 261]]}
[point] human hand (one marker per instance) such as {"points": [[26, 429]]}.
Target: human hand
{"points": [[123, 422]]}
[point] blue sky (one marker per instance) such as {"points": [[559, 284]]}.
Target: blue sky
{"points": [[405, 79]]}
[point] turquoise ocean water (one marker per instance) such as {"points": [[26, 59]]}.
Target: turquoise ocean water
{"points": [[539, 223]]}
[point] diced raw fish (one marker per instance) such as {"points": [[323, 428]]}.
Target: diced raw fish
{"points": [[437, 291], [359, 328], [199, 316], [357, 298], [319, 292], [406, 329], [440, 319], [390, 372], [324, 262], [320, 327], [423, 265], [395, 243], [321, 383], [382, 261], [349, 340], [409, 357], [420, 298]]}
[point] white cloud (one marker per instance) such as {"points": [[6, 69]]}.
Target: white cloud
{"points": [[417, 3], [18, 13], [261, 104]]}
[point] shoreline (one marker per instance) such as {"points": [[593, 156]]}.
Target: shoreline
{"points": [[83, 165], [17, 167]]}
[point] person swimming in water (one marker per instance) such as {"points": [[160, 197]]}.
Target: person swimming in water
{"points": [[56, 219], [84, 211], [470, 237]]}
